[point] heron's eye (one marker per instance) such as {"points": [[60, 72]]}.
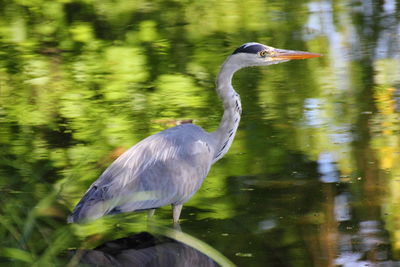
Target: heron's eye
{"points": [[263, 53]]}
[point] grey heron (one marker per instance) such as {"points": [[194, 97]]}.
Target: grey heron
{"points": [[167, 168]]}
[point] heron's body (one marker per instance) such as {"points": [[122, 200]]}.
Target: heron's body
{"points": [[130, 184], [170, 166]]}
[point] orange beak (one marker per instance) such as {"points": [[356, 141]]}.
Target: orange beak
{"points": [[281, 54]]}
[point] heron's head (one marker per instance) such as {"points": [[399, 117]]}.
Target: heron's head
{"points": [[255, 54]]}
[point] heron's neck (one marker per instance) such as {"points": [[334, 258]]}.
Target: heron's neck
{"points": [[226, 131]]}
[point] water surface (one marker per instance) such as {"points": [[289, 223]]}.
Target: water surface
{"points": [[312, 177]]}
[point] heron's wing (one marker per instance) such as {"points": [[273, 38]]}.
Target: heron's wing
{"points": [[162, 169]]}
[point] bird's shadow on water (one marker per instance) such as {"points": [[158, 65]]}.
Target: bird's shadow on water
{"points": [[144, 249], [159, 246]]}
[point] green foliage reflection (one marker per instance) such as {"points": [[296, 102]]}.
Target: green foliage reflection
{"points": [[81, 81]]}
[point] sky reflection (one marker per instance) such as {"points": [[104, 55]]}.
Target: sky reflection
{"points": [[312, 178]]}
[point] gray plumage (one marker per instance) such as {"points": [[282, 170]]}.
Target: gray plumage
{"points": [[172, 173], [170, 166]]}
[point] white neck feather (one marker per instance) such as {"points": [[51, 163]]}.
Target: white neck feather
{"points": [[226, 131]]}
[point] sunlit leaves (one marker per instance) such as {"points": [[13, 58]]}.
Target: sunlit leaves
{"points": [[168, 87], [81, 81], [127, 66], [147, 31], [82, 32], [17, 254]]}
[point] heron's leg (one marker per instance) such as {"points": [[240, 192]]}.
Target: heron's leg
{"points": [[177, 227], [150, 212], [176, 212]]}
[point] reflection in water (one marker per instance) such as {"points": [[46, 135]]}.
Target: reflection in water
{"points": [[327, 168], [354, 243], [145, 250], [369, 246], [342, 207], [313, 178], [343, 239]]}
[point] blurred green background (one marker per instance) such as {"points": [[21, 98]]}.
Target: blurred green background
{"points": [[311, 171]]}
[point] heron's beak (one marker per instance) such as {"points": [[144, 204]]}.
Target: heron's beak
{"points": [[281, 54]]}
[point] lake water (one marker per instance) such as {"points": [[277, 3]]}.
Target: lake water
{"points": [[312, 178]]}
